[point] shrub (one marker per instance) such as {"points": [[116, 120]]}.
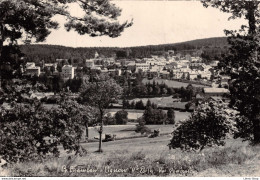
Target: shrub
{"points": [[141, 128], [208, 125], [121, 117], [109, 120], [30, 131]]}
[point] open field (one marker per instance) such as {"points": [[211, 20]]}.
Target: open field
{"points": [[136, 113], [171, 83], [148, 157], [162, 102], [128, 130]]}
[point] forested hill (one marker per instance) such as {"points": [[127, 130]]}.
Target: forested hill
{"points": [[210, 47], [216, 41]]}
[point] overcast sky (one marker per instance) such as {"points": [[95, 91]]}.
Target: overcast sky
{"points": [[155, 22]]}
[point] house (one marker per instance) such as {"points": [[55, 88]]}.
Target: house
{"points": [[50, 65], [193, 75], [177, 74], [114, 72], [68, 72], [214, 63], [33, 71], [89, 63], [206, 75], [199, 97], [142, 66], [195, 59], [131, 66], [197, 66], [29, 64], [65, 61], [104, 71], [209, 92], [164, 74], [152, 73]]}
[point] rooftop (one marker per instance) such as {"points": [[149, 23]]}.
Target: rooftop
{"points": [[216, 90]]}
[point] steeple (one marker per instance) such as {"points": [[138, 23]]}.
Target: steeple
{"points": [[96, 55]]}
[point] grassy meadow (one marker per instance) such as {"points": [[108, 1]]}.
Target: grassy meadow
{"points": [[171, 83], [148, 157], [128, 130], [162, 102]]}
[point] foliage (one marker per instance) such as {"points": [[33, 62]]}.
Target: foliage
{"points": [[139, 105], [243, 63], [31, 131], [170, 116], [140, 127], [121, 117], [208, 125], [100, 92], [35, 18], [154, 116], [50, 53], [109, 120]]}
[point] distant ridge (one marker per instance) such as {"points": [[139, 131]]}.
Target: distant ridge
{"points": [[213, 46]]}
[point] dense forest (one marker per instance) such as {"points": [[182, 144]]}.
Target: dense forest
{"points": [[210, 48]]}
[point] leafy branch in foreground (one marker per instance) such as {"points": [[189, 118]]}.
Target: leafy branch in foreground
{"points": [[31, 131]]}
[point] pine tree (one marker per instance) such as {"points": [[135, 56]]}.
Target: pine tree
{"points": [[33, 20]]}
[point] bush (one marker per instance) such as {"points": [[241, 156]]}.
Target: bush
{"points": [[30, 131], [109, 120], [154, 116], [121, 117], [141, 128], [170, 116], [209, 125]]}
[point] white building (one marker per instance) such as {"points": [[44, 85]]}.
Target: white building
{"points": [[206, 75], [29, 64], [142, 66], [68, 72], [193, 75], [177, 74], [214, 63], [33, 70]]}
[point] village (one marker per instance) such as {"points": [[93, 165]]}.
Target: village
{"points": [[173, 68], [92, 88]]}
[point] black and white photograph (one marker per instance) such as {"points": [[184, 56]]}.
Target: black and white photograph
{"points": [[129, 88]]}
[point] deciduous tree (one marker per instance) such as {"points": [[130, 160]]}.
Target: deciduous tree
{"points": [[100, 93], [208, 125], [243, 63]]}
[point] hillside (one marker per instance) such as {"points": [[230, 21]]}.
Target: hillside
{"points": [[210, 46], [216, 41], [139, 157]]}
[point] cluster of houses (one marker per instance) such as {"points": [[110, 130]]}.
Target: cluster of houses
{"points": [[166, 67], [173, 67]]}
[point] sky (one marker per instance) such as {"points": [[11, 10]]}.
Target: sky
{"points": [[155, 22]]}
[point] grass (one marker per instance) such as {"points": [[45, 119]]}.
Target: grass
{"points": [[171, 83], [128, 130], [162, 102], [149, 157], [136, 113]]}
